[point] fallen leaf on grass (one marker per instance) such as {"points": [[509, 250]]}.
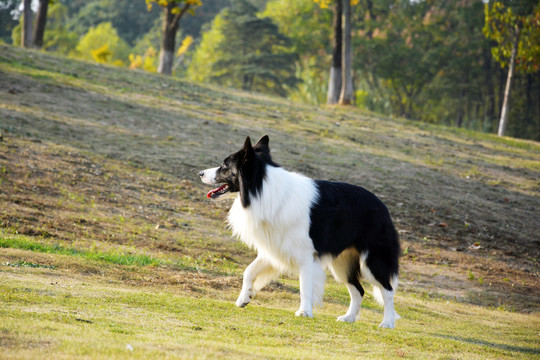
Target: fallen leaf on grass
{"points": [[441, 224]]}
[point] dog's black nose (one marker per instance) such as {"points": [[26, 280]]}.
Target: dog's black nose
{"points": [[201, 173]]}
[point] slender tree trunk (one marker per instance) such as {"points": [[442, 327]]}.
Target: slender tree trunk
{"points": [[489, 113], [246, 82], [346, 95], [334, 81], [500, 91], [462, 108], [503, 122], [169, 29], [26, 36], [529, 102], [41, 21]]}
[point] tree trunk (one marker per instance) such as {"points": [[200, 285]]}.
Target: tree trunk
{"points": [[346, 77], [169, 29], [489, 112], [334, 81], [26, 35], [246, 83], [460, 110], [529, 102], [41, 21], [462, 107], [506, 106]]}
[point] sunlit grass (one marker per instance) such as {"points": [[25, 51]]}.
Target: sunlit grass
{"points": [[87, 317]]}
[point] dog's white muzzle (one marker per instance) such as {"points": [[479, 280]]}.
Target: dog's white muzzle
{"points": [[208, 176]]}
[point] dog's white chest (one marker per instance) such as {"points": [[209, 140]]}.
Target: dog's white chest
{"points": [[277, 227]]}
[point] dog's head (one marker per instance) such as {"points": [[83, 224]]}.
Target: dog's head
{"points": [[242, 171]]}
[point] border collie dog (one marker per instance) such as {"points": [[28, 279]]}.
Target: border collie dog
{"points": [[300, 225]]}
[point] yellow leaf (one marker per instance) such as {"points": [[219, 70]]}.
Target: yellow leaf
{"points": [[323, 3], [188, 40], [101, 54], [149, 64], [150, 52], [136, 61]]}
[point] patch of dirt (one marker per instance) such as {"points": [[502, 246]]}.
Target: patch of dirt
{"points": [[466, 277], [10, 341]]}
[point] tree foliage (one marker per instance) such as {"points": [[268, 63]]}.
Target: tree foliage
{"points": [[249, 52], [501, 23], [57, 38], [515, 28], [8, 20], [207, 53], [417, 33], [102, 44], [432, 60], [309, 29], [147, 62], [131, 19]]}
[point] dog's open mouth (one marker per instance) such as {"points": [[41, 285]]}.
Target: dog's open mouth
{"points": [[214, 194]]}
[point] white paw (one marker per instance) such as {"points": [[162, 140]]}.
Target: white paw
{"points": [[305, 313], [347, 318], [243, 300], [387, 324]]}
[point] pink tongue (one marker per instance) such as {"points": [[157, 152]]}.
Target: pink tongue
{"points": [[209, 195]]}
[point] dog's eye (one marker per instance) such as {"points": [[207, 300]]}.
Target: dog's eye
{"points": [[224, 167]]}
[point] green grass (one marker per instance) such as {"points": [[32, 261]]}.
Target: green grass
{"points": [[45, 315], [117, 257], [208, 262]]}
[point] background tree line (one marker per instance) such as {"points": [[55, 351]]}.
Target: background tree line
{"points": [[466, 63]]}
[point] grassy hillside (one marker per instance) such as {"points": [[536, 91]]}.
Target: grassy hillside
{"points": [[109, 248]]}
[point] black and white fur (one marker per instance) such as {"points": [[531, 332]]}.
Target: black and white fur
{"points": [[302, 225]]}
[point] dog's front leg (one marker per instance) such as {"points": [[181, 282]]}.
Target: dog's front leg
{"points": [[258, 266], [306, 289]]}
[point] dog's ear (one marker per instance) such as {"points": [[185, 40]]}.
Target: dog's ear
{"points": [[262, 144], [249, 153], [247, 144]]}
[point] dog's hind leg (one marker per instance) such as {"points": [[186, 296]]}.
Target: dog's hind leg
{"points": [[259, 273], [390, 315], [357, 295], [384, 286], [346, 269]]}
